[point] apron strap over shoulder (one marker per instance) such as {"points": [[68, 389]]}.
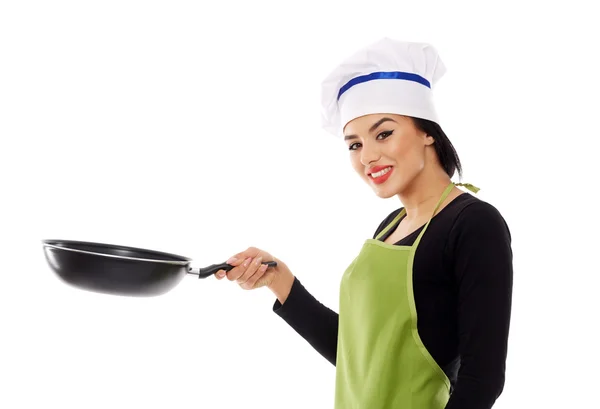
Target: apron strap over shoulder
{"points": [[469, 186], [447, 191]]}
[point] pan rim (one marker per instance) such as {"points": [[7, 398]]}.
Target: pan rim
{"points": [[184, 262]]}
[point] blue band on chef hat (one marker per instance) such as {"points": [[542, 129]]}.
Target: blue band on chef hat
{"points": [[394, 75]]}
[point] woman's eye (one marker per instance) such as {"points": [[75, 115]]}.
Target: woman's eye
{"points": [[385, 134]]}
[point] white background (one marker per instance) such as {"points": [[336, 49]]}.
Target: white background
{"points": [[195, 129]]}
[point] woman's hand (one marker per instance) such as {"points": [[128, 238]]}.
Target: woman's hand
{"points": [[249, 272]]}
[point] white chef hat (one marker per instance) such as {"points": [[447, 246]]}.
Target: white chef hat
{"points": [[389, 76]]}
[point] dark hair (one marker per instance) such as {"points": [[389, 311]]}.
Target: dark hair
{"points": [[443, 147]]}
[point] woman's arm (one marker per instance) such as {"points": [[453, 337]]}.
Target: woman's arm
{"points": [[480, 248], [315, 322]]}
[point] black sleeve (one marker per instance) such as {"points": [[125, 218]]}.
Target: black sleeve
{"points": [[315, 322], [480, 248]]}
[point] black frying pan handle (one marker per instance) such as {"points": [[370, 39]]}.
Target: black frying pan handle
{"points": [[212, 269]]}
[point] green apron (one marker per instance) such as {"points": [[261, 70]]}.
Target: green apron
{"points": [[381, 361]]}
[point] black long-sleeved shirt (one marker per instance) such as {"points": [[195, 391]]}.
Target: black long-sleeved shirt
{"points": [[462, 283]]}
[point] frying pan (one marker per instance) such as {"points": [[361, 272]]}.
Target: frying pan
{"points": [[121, 270]]}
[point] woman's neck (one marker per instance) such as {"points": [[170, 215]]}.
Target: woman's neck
{"points": [[423, 193]]}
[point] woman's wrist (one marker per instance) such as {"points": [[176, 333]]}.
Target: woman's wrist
{"points": [[282, 285]]}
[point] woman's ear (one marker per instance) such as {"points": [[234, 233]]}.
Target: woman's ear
{"points": [[429, 140]]}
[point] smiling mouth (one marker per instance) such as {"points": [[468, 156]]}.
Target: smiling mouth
{"points": [[380, 173], [382, 176]]}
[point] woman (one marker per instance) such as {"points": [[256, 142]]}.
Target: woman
{"points": [[445, 256]]}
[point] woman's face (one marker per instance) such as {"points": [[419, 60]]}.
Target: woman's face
{"points": [[380, 141]]}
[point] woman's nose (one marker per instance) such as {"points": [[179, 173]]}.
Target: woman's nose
{"points": [[368, 155]]}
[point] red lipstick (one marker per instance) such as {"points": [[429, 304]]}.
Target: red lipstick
{"points": [[379, 180]]}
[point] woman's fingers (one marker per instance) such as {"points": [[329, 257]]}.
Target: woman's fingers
{"points": [[238, 271], [259, 275], [248, 269], [233, 262]]}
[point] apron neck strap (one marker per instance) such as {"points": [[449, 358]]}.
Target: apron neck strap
{"points": [[449, 189], [469, 186], [444, 196]]}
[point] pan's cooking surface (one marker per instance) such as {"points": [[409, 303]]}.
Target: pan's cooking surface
{"points": [[116, 250]]}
